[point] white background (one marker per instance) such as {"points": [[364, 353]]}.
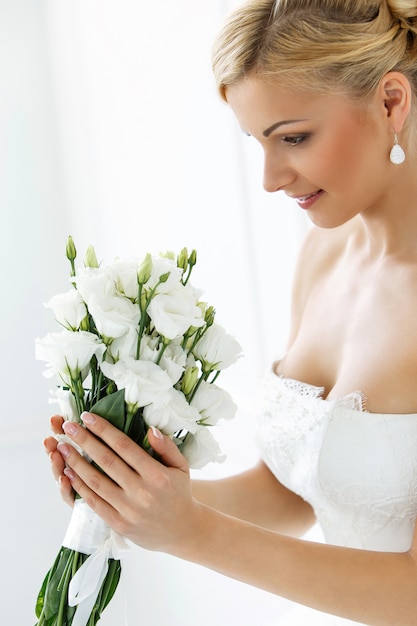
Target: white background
{"points": [[111, 131]]}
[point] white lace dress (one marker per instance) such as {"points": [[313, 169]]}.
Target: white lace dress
{"points": [[358, 470]]}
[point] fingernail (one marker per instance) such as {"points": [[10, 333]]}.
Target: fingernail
{"points": [[88, 418], [70, 428], [157, 433], [69, 473], [63, 449]]}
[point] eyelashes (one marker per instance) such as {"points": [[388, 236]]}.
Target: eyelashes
{"points": [[295, 140], [290, 140]]}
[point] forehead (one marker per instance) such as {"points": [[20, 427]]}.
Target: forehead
{"points": [[259, 104]]}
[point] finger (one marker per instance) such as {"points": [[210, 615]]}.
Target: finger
{"points": [[57, 463], [106, 459], [66, 490], [167, 450], [90, 483], [50, 443], [56, 422], [125, 448], [105, 510]]}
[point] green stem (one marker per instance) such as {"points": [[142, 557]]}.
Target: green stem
{"points": [[107, 585], [75, 563], [76, 386], [129, 418], [143, 314], [141, 329], [200, 332], [202, 377], [63, 587], [216, 376], [165, 344]]}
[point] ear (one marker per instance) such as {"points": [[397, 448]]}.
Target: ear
{"points": [[395, 90]]}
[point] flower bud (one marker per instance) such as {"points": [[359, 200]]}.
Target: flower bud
{"points": [[192, 259], [182, 259], [145, 270], [90, 258], [85, 323], [189, 380], [71, 249], [164, 277], [209, 315]]}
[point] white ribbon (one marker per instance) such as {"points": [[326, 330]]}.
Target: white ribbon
{"points": [[87, 533]]}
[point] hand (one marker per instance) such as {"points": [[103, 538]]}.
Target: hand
{"points": [[143, 499], [57, 462]]}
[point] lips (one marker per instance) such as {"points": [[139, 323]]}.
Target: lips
{"points": [[309, 195], [305, 202]]}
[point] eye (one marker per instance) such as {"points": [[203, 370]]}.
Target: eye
{"points": [[294, 140]]}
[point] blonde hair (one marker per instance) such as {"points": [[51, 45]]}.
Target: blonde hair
{"points": [[323, 45]]}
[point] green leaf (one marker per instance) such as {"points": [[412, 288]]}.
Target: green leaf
{"points": [[41, 596], [112, 408], [111, 583], [53, 593], [137, 430]]}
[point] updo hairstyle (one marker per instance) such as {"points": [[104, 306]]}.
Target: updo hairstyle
{"points": [[326, 46]]}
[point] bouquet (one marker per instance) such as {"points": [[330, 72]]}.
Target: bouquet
{"points": [[140, 348]]}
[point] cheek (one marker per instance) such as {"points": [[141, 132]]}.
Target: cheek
{"points": [[347, 158]]}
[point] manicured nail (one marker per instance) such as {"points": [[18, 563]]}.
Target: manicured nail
{"points": [[69, 473], [70, 428], [64, 449], [157, 433], [88, 418]]}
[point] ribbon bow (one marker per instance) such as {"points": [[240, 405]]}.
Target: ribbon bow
{"points": [[88, 533]]}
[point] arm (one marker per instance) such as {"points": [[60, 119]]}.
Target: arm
{"points": [[152, 505], [255, 495]]}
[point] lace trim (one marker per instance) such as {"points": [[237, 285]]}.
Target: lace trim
{"points": [[303, 389], [355, 400]]}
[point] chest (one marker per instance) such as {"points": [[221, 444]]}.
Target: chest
{"points": [[359, 336]]}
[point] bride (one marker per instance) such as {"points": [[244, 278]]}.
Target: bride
{"points": [[328, 88]]}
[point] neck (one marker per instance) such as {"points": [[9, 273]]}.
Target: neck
{"points": [[391, 227]]}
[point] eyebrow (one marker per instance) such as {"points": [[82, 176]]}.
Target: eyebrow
{"points": [[269, 130]]}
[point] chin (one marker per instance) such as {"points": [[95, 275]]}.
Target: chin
{"points": [[328, 221]]}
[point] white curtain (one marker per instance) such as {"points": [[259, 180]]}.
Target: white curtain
{"points": [[111, 131]]}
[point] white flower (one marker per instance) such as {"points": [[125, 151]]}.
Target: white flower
{"points": [[94, 280], [160, 267], [69, 309], [172, 416], [124, 346], [217, 349], [149, 348], [143, 381], [201, 448], [173, 359], [68, 354], [213, 404], [66, 403], [173, 313], [125, 275], [113, 316], [113, 313]]}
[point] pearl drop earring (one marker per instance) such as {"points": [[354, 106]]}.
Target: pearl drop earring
{"points": [[397, 154]]}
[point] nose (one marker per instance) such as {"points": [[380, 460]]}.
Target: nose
{"points": [[277, 173]]}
